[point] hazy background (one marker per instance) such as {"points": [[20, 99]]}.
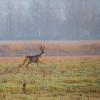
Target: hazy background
{"points": [[49, 19]]}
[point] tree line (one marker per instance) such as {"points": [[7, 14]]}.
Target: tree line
{"points": [[50, 20]]}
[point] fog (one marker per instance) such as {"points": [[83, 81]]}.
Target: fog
{"points": [[49, 19]]}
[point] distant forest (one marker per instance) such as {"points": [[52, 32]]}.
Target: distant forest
{"points": [[50, 20]]}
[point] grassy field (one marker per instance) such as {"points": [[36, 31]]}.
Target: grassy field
{"points": [[58, 78]]}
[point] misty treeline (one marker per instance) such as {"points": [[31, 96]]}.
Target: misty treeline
{"points": [[50, 20]]}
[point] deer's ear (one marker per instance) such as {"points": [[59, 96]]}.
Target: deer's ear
{"points": [[40, 47]]}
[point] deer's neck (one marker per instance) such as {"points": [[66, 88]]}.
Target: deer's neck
{"points": [[42, 54]]}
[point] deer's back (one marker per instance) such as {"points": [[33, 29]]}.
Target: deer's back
{"points": [[34, 59]]}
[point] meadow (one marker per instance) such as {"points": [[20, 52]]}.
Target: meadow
{"points": [[58, 78], [70, 71]]}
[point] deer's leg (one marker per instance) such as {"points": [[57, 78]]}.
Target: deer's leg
{"points": [[22, 64], [27, 64], [37, 64]]}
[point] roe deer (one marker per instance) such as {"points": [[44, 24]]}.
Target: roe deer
{"points": [[33, 59]]}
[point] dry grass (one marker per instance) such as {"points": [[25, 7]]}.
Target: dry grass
{"points": [[6, 60], [61, 48]]}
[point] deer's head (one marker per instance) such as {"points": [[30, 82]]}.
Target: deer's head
{"points": [[42, 49]]}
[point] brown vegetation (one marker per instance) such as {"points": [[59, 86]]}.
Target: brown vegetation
{"points": [[60, 48]]}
